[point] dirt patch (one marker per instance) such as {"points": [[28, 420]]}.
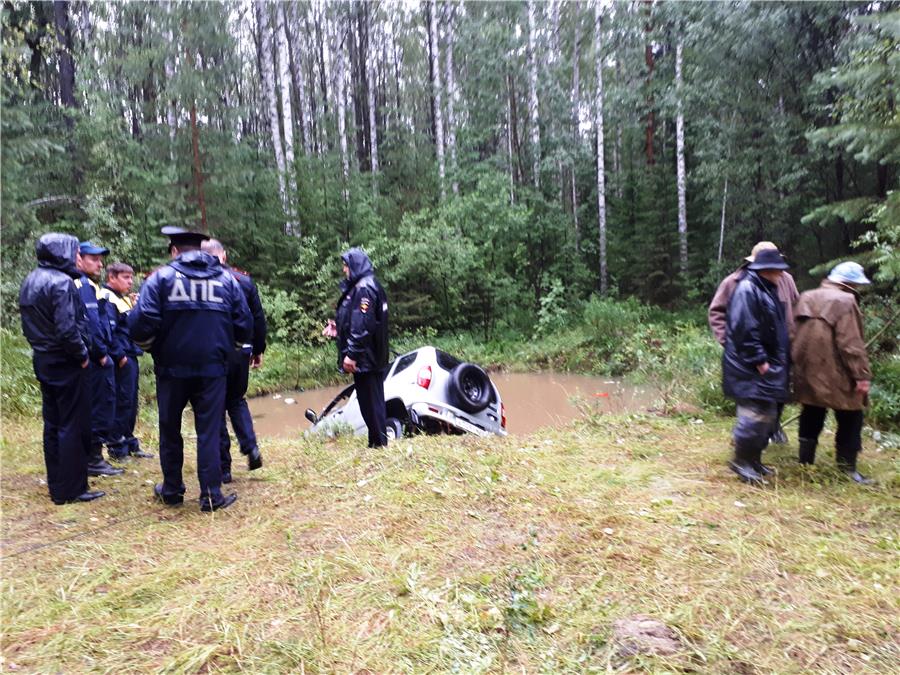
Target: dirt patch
{"points": [[644, 635]]}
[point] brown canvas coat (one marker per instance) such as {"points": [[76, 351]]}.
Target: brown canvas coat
{"points": [[828, 350], [718, 308]]}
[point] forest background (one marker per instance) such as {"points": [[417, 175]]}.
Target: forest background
{"points": [[516, 170]]}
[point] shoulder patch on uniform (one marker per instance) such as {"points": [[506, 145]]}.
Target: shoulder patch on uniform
{"points": [[364, 305]]}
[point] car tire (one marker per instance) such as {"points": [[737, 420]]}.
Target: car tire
{"points": [[394, 429], [469, 388]]}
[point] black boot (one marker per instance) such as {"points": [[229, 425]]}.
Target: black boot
{"points": [[846, 462], [808, 450], [761, 468], [742, 465], [87, 496], [254, 459], [97, 466]]}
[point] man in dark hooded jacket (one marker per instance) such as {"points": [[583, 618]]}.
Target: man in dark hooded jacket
{"points": [[756, 361], [55, 325], [191, 314], [361, 328]]}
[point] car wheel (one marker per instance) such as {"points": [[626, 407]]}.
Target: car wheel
{"points": [[394, 429], [469, 388]]}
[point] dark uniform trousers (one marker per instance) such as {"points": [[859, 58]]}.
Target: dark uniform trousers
{"points": [[102, 381], [207, 398], [126, 379], [370, 394], [849, 426], [237, 409], [67, 432]]}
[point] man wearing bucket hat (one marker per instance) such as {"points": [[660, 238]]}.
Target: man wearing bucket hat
{"points": [[191, 314], [718, 308], [831, 369], [756, 361]]}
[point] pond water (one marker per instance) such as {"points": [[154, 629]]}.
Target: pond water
{"points": [[533, 401]]}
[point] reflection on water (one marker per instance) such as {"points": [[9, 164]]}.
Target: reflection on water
{"points": [[533, 401]]}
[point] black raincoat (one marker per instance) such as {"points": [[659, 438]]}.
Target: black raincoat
{"points": [[362, 315], [756, 334], [53, 315]]}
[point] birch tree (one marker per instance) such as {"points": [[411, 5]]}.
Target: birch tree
{"points": [[601, 178], [373, 122], [533, 98], [269, 96], [679, 152], [340, 94], [576, 104], [298, 76], [436, 96], [287, 119], [452, 95]]}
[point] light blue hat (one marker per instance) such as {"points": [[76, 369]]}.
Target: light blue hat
{"points": [[848, 273]]}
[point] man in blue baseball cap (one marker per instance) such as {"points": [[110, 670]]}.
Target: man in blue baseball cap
{"points": [[105, 353], [831, 368]]}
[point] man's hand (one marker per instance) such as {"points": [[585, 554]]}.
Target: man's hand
{"points": [[123, 361], [104, 361], [85, 363], [330, 330], [256, 360], [863, 386], [349, 365], [763, 368]]}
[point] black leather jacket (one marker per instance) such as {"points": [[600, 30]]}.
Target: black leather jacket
{"points": [[756, 333], [256, 309], [53, 315], [362, 316]]}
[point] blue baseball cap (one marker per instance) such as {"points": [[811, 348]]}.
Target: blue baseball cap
{"points": [[89, 248], [848, 273]]}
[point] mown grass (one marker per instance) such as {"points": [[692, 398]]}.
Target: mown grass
{"points": [[460, 554]]}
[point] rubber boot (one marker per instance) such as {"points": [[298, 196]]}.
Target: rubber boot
{"points": [[742, 465], [761, 468], [846, 461], [808, 450]]}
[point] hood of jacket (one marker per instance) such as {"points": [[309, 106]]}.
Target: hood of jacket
{"points": [[57, 251], [197, 265], [359, 264]]}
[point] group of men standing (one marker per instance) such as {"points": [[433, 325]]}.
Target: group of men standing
{"points": [[775, 337], [205, 325]]}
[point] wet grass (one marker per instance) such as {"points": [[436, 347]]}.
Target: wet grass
{"points": [[458, 554]]}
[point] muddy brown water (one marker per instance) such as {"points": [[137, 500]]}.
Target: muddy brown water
{"points": [[533, 401]]}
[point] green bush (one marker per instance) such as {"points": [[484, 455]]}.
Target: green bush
{"points": [[884, 408]]}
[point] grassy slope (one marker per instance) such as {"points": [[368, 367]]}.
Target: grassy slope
{"points": [[457, 553]]}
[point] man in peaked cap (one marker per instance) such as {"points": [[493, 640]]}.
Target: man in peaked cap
{"points": [[105, 354], [756, 361], [831, 368], [191, 314]]}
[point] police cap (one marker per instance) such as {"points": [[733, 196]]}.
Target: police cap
{"points": [[180, 237], [89, 248]]}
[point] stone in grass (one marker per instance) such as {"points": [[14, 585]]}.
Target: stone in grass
{"points": [[641, 634]]}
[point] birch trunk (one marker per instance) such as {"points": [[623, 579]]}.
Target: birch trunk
{"points": [[601, 178], [452, 97], [268, 87], [533, 98], [680, 170], [298, 76], [341, 105], [436, 96], [722, 223], [287, 119], [373, 122], [576, 104], [509, 141]]}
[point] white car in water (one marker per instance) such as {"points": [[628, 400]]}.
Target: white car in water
{"points": [[428, 391]]}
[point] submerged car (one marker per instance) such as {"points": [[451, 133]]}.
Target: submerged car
{"points": [[425, 391]]}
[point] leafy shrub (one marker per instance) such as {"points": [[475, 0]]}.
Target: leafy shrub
{"points": [[885, 396]]}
